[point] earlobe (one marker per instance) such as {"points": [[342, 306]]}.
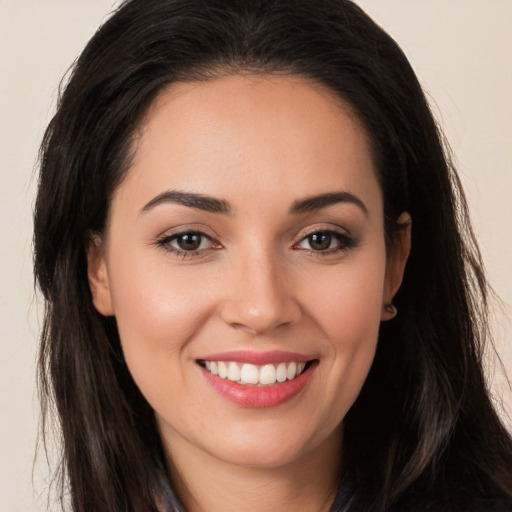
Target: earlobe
{"points": [[98, 276], [395, 265]]}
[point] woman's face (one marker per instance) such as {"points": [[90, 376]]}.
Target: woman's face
{"points": [[247, 239]]}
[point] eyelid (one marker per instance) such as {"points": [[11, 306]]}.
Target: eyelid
{"points": [[324, 227], [346, 240], [166, 237], [182, 229]]}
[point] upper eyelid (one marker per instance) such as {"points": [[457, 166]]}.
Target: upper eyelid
{"points": [[183, 230], [174, 236], [325, 227], [186, 232], [165, 239], [214, 237], [164, 242], [341, 236]]}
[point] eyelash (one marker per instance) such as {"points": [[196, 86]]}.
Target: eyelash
{"points": [[344, 243], [165, 243]]}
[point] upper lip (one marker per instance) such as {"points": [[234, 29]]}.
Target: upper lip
{"points": [[257, 358]]}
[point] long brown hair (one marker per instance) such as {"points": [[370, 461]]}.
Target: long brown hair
{"points": [[423, 434]]}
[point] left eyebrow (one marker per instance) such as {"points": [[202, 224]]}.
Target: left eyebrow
{"points": [[320, 201], [191, 200]]}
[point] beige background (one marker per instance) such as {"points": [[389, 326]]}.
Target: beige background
{"points": [[462, 52]]}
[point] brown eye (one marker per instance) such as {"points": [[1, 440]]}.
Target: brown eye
{"points": [[326, 242], [188, 244], [320, 241], [189, 241]]}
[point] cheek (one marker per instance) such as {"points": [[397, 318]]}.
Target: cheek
{"points": [[347, 310], [347, 300], [157, 312]]}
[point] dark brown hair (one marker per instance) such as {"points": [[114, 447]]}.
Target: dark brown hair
{"points": [[423, 434]]}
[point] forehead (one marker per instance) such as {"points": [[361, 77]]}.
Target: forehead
{"points": [[265, 136]]}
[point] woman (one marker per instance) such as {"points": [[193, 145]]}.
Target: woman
{"points": [[253, 299]]}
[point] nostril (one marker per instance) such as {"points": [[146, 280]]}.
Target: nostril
{"points": [[261, 318]]}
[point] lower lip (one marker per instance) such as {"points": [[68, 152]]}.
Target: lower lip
{"points": [[259, 396]]}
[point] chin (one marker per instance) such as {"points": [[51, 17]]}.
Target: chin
{"points": [[268, 446], [266, 456]]}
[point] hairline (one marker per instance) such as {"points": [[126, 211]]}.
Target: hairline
{"points": [[214, 72]]}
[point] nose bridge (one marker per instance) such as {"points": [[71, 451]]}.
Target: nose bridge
{"points": [[259, 297]]}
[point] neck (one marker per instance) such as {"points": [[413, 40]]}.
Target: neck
{"points": [[207, 484]]}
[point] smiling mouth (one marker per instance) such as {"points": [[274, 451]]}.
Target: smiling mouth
{"points": [[255, 375]]}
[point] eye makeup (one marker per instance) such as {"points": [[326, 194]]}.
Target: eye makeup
{"points": [[189, 243]]}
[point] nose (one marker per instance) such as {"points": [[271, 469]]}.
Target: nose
{"points": [[259, 296]]}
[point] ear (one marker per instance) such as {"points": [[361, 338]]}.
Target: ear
{"points": [[98, 276], [395, 265]]}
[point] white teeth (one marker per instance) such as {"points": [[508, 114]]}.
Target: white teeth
{"points": [[281, 372], [291, 371], [268, 374], [233, 372], [247, 373], [223, 369]]}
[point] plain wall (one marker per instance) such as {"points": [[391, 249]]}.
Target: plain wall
{"points": [[461, 50]]}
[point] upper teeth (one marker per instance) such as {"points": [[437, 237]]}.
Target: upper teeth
{"points": [[246, 373]]}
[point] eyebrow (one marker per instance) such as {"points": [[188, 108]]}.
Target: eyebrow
{"points": [[313, 203], [200, 201], [214, 205]]}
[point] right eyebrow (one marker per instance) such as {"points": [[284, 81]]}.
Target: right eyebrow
{"points": [[199, 201], [323, 200]]}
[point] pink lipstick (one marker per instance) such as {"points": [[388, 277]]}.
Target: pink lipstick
{"points": [[258, 380]]}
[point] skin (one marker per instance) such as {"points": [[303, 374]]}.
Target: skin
{"points": [[260, 144]]}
